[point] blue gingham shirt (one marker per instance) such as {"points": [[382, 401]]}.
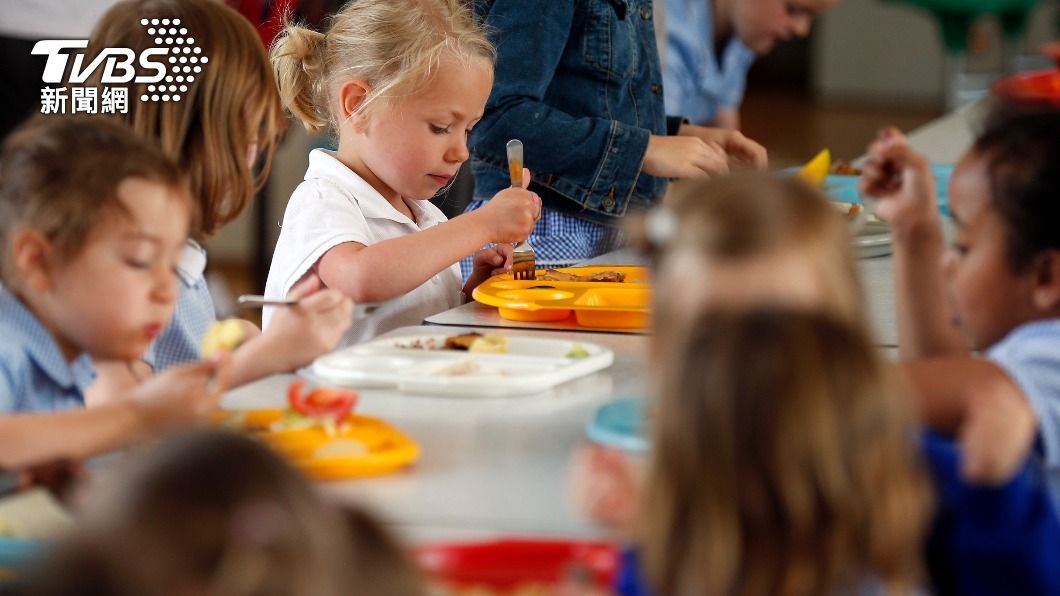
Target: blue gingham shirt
{"points": [[1030, 355], [34, 374], [695, 82], [560, 239], [180, 340]]}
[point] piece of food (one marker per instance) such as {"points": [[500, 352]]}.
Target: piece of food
{"points": [[324, 407], [842, 168], [577, 351], [600, 276], [816, 170], [222, 336], [462, 341], [490, 344], [322, 402], [850, 210]]}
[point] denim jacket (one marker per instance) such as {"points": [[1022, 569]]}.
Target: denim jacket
{"points": [[579, 83]]}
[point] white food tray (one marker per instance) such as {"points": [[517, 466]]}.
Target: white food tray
{"points": [[532, 365]]}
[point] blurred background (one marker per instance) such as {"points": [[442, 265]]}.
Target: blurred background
{"points": [[866, 64]]}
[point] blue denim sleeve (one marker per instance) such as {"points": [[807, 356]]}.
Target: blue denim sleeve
{"points": [[586, 158]]}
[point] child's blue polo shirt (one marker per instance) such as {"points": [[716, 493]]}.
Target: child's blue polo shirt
{"points": [[34, 374]]}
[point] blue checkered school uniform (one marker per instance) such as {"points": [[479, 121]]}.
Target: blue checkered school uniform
{"points": [[35, 376], [1030, 354], [561, 239], [180, 340]]}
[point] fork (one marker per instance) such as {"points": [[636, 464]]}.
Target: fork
{"points": [[524, 260]]}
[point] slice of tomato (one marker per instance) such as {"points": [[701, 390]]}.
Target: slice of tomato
{"points": [[322, 402]]}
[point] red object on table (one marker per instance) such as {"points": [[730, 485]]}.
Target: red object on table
{"points": [[504, 564], [1051, 50], [1037, 88]]}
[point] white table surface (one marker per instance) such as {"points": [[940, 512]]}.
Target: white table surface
{"points": [[492, 467], [488, 466]]}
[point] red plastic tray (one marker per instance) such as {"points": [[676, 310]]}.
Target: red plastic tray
{"points": [[1041, 88], [504, 564]]}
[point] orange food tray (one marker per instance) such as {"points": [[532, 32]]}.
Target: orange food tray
{"points": [[624, 305], [386, 449]]}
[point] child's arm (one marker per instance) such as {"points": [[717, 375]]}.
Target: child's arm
{"points": [[394, 267], [177, 397], [976, 401], [902, 181], [297, 334]]}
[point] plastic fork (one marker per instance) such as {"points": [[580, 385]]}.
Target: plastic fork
{"points": [[524, 260]]}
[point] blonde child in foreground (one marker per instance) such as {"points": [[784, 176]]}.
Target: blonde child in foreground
{"points": [[750, 241], [781, 463], [213, 513], [229, 119], [400, 83], [92, 221], [997, 292]]}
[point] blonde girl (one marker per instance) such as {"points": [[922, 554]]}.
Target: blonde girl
{"points": [[400, 84], [227, 119], [782, 463], [736, 242]]}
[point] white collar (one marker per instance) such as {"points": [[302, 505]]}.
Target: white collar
{"points": [[324, 165]]}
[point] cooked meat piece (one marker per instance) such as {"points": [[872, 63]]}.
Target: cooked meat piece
{"points": [[461, 342], [601, 276], [842, 168]]}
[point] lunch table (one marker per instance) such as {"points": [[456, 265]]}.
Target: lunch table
{"points": [[492, 467], [488, 466]]}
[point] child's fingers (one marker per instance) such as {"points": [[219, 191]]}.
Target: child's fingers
{"points": [[305, 287], [322, 301], [526, 177]]}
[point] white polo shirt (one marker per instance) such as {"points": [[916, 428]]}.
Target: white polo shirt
{"points": [[334, 205]]}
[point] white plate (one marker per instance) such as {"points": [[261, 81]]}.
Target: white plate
{"points": [[532, 365], [873, 240]]}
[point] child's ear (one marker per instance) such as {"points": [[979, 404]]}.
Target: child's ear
{"points": [[31, 254], [1046, 292], [351, 97]]}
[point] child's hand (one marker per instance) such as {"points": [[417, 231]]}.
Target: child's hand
{"points": [[300, 332], [740, 151], [488, 262], [996, 436], [182, 395], [683, 157], [901, 178], [604, 487], [512, 213]]}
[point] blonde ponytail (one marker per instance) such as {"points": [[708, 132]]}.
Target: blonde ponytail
{"points": [[395, 46], [298, 61]]}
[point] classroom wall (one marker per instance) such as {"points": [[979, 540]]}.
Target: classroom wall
{"points": [[885, 52]]}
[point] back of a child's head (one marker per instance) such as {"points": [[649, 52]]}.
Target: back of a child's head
{"points": [[214, 513], [1021, 146], [60, 176], [394, 46], [224, 104], [782, 462], [751, 240]]}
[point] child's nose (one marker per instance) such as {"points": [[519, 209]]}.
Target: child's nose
{"points": [[457, 151], [165, 287]]}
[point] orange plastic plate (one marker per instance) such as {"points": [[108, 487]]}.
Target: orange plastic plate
{"points": [[385, 449], [624, 305]]}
